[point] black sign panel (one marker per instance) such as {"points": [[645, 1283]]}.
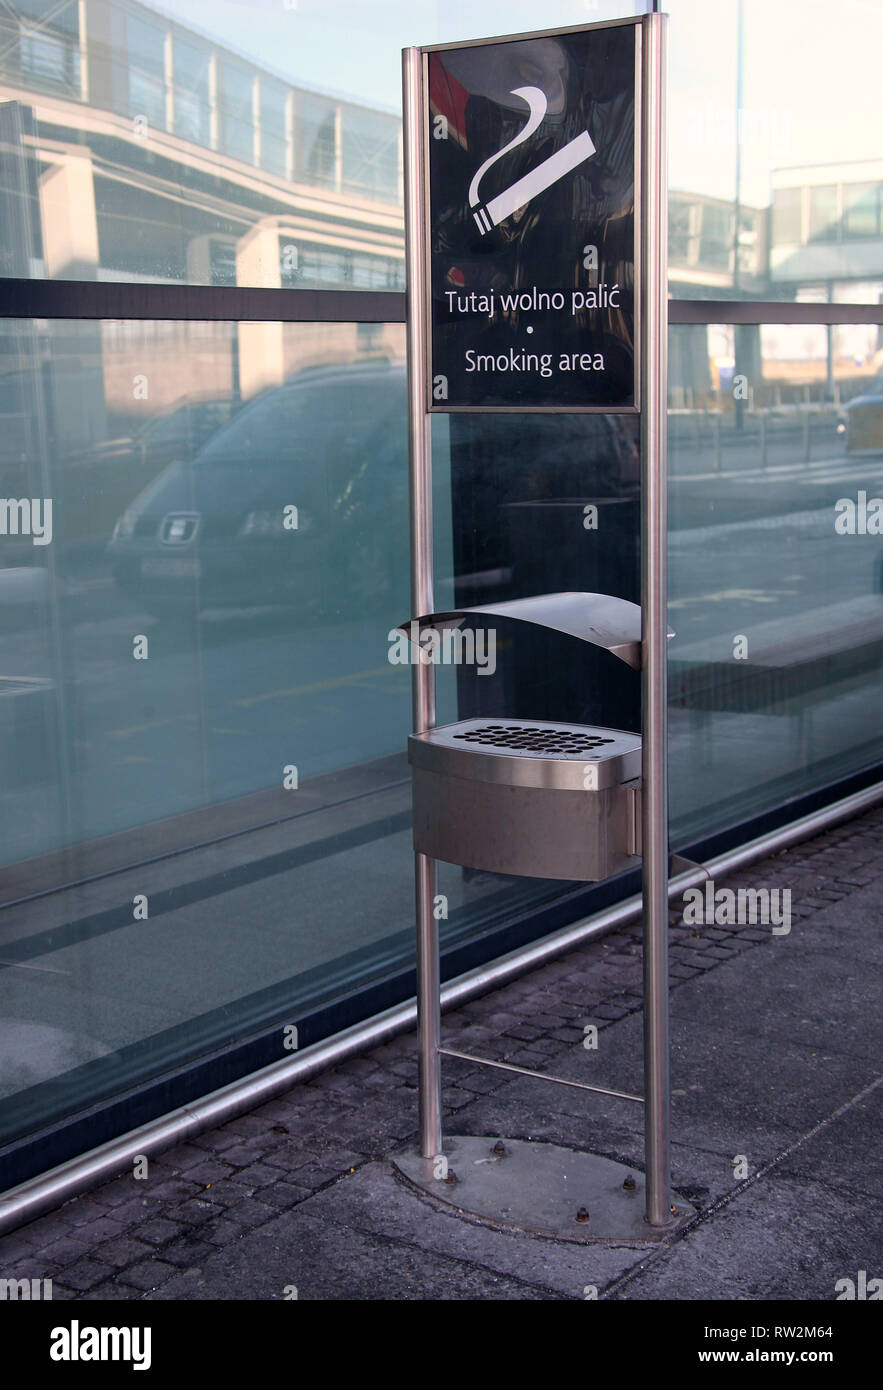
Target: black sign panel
{"points": [[532, 253]]}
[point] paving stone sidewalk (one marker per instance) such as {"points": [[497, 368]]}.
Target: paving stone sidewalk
{"points": [[776, 1061]]}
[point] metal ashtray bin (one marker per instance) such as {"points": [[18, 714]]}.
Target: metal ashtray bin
{"points": [[549, 800], [529, 796]]}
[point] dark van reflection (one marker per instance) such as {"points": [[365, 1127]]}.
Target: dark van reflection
{"points": [[299, 501], [94, 482]]}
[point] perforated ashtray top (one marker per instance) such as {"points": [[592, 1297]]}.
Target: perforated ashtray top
{"points": [[531, 738], [533, 752]]}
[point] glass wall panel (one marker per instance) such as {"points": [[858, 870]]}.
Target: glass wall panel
{"points": [[170, 453], [204, 537], [205, 802], [776, 566]]}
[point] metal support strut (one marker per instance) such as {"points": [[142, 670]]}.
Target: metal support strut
{"points": [[423, 676], [654, 602]]}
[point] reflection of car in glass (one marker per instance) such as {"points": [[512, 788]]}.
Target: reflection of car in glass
{"points": [[299, 500], [864, 420], [95, 482], [163, 439], [213, 531]]}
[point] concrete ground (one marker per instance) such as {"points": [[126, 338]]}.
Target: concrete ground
{"points": [[777, 1104]]}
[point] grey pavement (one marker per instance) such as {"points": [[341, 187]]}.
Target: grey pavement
{"points": [[777, 1082]]}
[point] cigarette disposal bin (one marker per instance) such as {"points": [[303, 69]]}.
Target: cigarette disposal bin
{"points": [[533, 797]]}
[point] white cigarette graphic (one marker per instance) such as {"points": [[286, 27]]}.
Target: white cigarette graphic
{"points": [[542, 177]]}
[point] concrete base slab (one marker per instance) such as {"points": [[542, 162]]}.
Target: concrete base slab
{"points": [[378, 1202], [543, 1189]]}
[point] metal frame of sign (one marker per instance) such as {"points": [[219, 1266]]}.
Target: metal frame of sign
{"points": [[437, 408], [651, 216]]}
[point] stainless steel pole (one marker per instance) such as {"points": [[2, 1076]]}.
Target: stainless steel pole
{"points": [[654, 599], [423, 678]]}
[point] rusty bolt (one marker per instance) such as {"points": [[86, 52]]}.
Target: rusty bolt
{"points": [[582, 1214], [451, 1176], [674, 1211], [629, 1184], [499, 1148]]}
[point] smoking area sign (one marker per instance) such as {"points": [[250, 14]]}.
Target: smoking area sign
{"points": [[531, 222]]}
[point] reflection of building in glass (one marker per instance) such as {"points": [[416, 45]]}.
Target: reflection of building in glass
{"points": [[823, 232], [702, 246], [134, 149], [151, 152], [826, 245], [827, 229], [702, 249], [821, 241]]}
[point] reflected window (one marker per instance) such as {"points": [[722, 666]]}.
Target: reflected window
{"points": [[274, 144], [222, 262], [338, 269], [322, 266], [49, 59], [717, 236], [371, 153], [238, 112], [42, 42], [192, 92], [823, 213], [787, 216], [861, 209], [679, 230], [317, 143], [147, 71]]}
